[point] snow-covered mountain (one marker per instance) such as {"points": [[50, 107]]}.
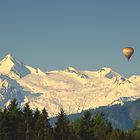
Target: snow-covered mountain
{"points": [[71, 89], [12, 67]]}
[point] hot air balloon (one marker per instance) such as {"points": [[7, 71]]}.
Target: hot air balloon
{"points": [[128, 52]]}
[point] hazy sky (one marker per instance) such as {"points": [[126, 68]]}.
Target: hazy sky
{"points": [[85, 34]]}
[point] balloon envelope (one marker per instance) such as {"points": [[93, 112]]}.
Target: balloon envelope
{"points": [[128, 52]]}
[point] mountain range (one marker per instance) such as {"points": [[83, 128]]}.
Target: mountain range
{"points": [[70, 89]]}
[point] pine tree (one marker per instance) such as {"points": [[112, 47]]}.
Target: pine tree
{"points": [[47, 132], [36, 115], [62, 128], [4, 133], [13, 119], [135, 131], [101, 127], [85, 127], [36, 123], [25, 131], [117, 135]]}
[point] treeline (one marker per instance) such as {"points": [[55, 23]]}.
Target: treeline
{"points": [[25, 124]]}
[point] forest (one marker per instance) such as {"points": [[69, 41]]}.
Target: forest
{"points": [[27, 124]]}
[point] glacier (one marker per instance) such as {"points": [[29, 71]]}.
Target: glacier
{"points": [[70, 89]]}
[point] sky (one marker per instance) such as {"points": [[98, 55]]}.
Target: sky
{"points": [[85, 34]]}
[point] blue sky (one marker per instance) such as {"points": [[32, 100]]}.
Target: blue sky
{"points": [[85, 34]]}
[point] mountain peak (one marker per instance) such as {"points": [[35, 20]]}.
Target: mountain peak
{"points": [[70, 69], [78, 73], [109, 73], [105, 69], [9, 60], [9, 64], [9, 56]]}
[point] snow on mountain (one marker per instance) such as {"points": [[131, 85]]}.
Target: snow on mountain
{"points": [[71, 89], [110, 74], [15, 69], [9, 89], [78, 73], [12, 67]]}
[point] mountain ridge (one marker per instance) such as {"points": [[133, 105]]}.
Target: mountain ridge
{"points": [[70, 88]]}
